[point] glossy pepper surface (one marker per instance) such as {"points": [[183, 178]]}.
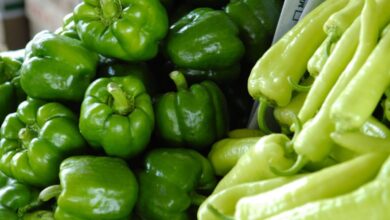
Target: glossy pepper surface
{"points": [[57, 67], [35, 139], [256, 20], [192, 117], [193, 44], [123, 29], [117, 116], [14, 194], [93, 187], [10, 91], [172, 182]]}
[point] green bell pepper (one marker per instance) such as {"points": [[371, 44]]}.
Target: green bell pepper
{"points": [[93, 188], [256, 20], [68, 27], [172, 183], [57, 67], [10, 91], [15, 195], [123, 29], [193, 117], [35, 139], [207, 40], [117, 116]]}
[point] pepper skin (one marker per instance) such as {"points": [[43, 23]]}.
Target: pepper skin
{"points": [[117, 116], [193, 44], [10, 91], [172, 182], [93, 187], [57, 67], [124, 29], [35, 139], [193, 117], [256, 20], [15, 195]]}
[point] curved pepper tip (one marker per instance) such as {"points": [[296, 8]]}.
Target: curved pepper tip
{"points": [[295, 168]]}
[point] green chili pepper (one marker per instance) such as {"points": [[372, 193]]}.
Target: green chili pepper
{"points": [[309, 145], [174, 180], [192, 117], [342, 178], [117, 116], [269, 78], [93, 187], [353, 106], [225, 201], [338, 22], [225, 153], [57, 67], [367, 202], [36, 138], [255, 164], [128, 30]]}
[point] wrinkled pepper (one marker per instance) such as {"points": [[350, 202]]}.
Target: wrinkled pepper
{"points": [[124, 29], [11, 94], [174, 181], [36, 138], [117, 116], [341, 178], [57, 67], [192, 44], [192, 117], [93, 187], [255, 164], [256, 20]]}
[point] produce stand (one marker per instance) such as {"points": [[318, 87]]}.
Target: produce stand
{"points": [[208, 110]]}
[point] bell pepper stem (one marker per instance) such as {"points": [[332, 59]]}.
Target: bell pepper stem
{"points": [[295, 168], [218, 214], [111, 9], [179, 80], [261, 111], [50, 192], [122, 103], [26, 135]]}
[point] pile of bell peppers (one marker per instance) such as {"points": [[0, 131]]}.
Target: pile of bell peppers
{"points": [[139, 110]]}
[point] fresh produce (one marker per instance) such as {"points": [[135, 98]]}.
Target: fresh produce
{"points": [[117, 116], [256, 20], [269, 79], [194, 116], [140, 110], [93, 187], [206, 40], [128, 30], [255, 164], [368, 202], [57, 67], [225, 153], [36, 138], [172, 182], [10, 90]]}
